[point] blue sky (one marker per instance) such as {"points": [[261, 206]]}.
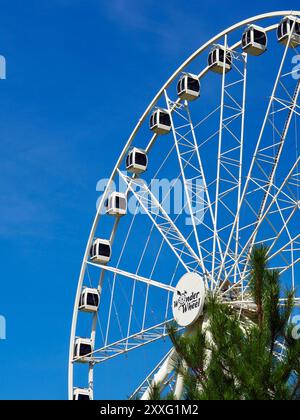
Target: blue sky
{"points": [[79, 75]]}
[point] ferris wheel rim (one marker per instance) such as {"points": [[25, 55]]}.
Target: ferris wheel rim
{"points": [[152, 104]]}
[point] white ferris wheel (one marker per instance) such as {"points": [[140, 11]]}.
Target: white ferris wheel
{"points": [[224, 136]]}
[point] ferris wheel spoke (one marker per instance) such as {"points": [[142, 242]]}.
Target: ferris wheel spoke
{"points": [[279, 152], [283, 210], [173, 279], [165, 225], [286, 213], [148, 381], [127, 344], [211, 224], [289, 253], [218, 175], [285, 222], [230, 156], [283, 270], [285, 246], [189, 193], [265, 145], [134, 277], [284, 301], [164, 376], [192, 173], [272, 241], [245, 249], [161, 375]]}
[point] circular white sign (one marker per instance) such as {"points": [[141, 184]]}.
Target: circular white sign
{"points": [[188, 299]]}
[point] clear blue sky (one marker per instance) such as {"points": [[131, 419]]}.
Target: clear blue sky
{"points": [[79, 75]]}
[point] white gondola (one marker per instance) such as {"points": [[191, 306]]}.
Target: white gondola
{"points": [[116, 204], [82, 394], [137, 161], [160, 122], [188, 87], [255, 40], [217, 62], [285, 28], [83, 349], [100, 252], [89, 300]]}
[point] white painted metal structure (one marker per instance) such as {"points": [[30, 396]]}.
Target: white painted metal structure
{"points": [[236, 153], [81, 394]]}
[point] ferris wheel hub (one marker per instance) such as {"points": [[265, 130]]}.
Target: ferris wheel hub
{"points": [[188, 299]]}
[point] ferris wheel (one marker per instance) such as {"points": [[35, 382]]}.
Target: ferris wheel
{"points": [[211, 170]]}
